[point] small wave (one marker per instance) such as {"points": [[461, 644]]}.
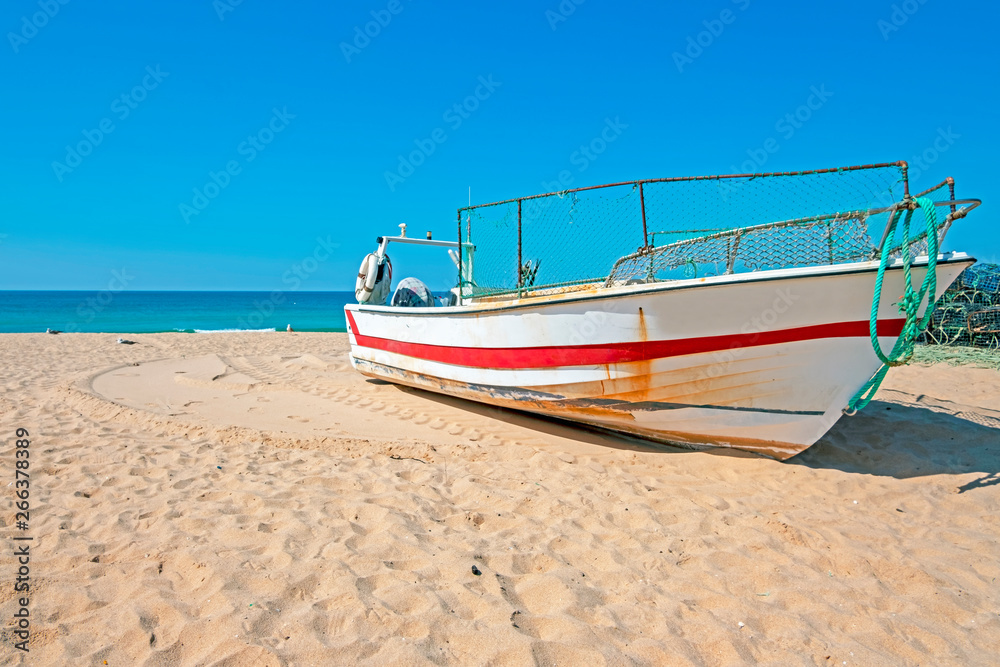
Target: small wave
{"points": [[202, 331]]}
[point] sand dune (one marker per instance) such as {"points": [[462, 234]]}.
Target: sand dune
{"points": [[248, 499]]}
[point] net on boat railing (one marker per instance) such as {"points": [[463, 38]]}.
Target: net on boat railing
{"points": [[942, 192], [677, 228], [565, 239]]}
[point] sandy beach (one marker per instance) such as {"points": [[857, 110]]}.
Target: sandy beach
{"points": [[249, 499]]}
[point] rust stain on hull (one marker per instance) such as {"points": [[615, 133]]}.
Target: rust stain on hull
{"points": [[638, 382], [720, 382], [639, 374], [614, 417]]}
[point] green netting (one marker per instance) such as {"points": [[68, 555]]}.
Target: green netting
{"points": [[956, 356], [968, 313], [570, 238], [670, 229]]}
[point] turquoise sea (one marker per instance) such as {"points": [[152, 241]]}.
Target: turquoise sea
{"points": [[151, 312]]}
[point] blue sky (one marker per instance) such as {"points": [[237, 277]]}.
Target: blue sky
{"points": [[204, 81]]}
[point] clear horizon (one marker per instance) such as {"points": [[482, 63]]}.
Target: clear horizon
{"points": [[235, 146]]}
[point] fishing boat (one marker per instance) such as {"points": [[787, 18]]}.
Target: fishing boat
{"points": [[749, 311]]}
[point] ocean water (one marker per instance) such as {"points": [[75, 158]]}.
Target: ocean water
{"points": [[153, 312]]}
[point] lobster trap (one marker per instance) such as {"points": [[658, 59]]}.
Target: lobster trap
{"points": [[968, 313]]}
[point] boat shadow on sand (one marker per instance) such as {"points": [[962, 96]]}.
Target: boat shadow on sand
{"points": [[901, 439], [893, 439]]}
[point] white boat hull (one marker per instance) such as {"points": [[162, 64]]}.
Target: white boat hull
{"points": [[763, 361]]}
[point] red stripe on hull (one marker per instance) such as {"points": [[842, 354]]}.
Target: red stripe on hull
{"points": [[510, 358]]}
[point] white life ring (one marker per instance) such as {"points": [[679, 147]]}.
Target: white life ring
{"points": [[367, 275]]}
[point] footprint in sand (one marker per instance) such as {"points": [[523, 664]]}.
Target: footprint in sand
{"points": [[301, 420]]}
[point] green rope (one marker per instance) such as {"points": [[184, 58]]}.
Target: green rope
{"points": [[902, 351]]}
